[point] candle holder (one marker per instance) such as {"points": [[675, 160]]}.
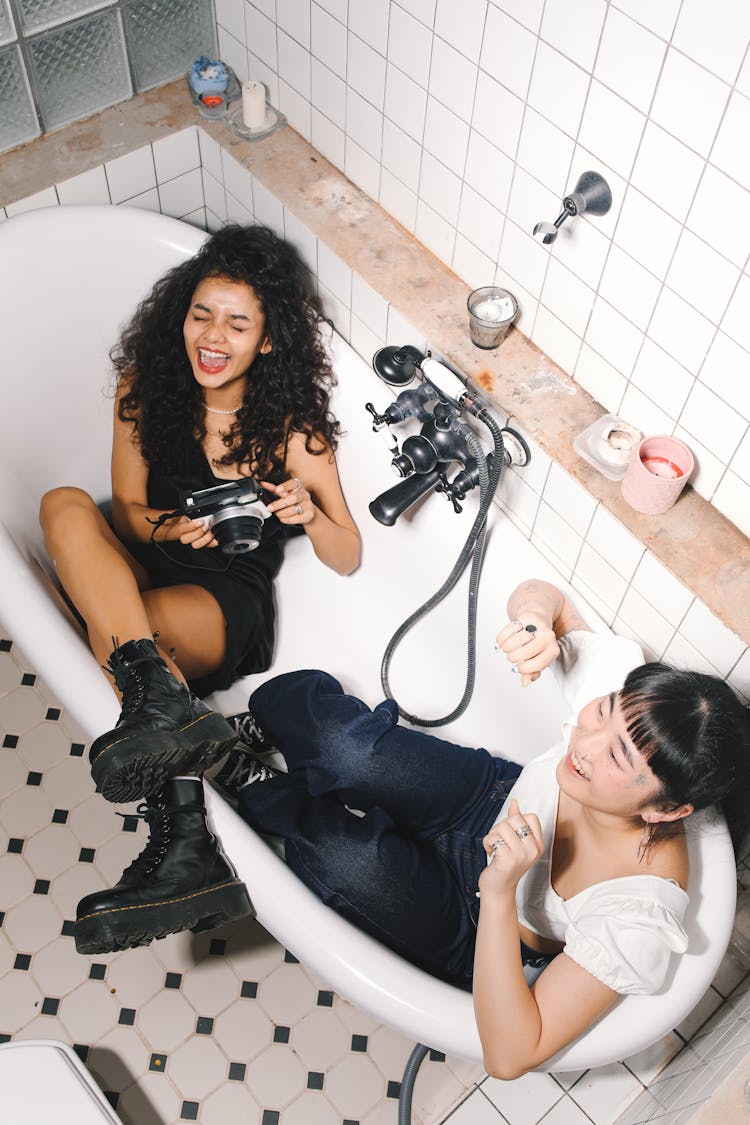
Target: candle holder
{"points": [[273, 122], [491, 312], [657, 474]]}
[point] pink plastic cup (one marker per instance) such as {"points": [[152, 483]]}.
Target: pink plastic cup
{"points": [[657, 474]]}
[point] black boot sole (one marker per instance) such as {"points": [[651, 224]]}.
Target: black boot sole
{"points": [[140, 763], [109, 931]]}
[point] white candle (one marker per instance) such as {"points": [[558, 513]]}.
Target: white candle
{"points": [[253, 105], [494, 309]]}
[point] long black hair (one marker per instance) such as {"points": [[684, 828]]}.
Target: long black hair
{"points": [[290, 386], [695, 734]]}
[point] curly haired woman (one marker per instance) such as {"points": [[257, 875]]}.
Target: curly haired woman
{"points": [[221, 375]]}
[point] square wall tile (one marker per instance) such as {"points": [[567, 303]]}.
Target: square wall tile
{"points": [[730, 152], [623, 41], [293, 17], [335, 275], [294, 63], [736, 322], [398, 200], [666, 171], [719, 372], [131, 175], [470, 263], [713, 215], [594, 570], [498, 114], [643, 413], [366, 71], [488, 171], [614, 542], [362, 169], [600, 379], [435, 231], [704, 278], [462, 25], [689, 102], [364, 123], [567, 297], [629, 287], [327, 138], [446, 136], [507, 51], [302, 239], [662, 378], [453, 79], [613, 337], [370, 22], [720, 645], [646, 232], [410, 45], [328, 41], [481, 223], [606, 1092], [261, 36], [182, 195], [611, 128], [732, 498], [440, 188], [714, 423], [659, 18], [555, 339], [577, 38], [544, 150], [552, 74], [405, 103], [662, 589], [230, 14], [176, 154], [717, 43], [681, 330], [234, 54], [569, 499], [89, 187]]}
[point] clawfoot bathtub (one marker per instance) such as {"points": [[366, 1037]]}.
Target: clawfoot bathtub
{"points": [[70, 277]]}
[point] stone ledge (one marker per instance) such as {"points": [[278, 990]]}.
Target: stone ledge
{"points": [[703, 549]]}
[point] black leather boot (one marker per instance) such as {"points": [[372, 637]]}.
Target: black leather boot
{"points": [[181, 880], [163, 729]]}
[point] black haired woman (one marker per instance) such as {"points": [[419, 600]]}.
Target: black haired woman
{"points": [[580, 857], [221, 376]]}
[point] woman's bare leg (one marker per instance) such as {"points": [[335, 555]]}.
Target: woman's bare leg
{"points": [[110, 590]]}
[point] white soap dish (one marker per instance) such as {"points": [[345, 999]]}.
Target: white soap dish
{"points": [[608, 444]]}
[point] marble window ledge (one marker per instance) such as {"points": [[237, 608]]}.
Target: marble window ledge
{"points": [[702, 548]]}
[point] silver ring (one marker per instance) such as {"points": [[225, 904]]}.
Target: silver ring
{"points": [[298, 485], [523, 831], [298, 509], [495, 846]]}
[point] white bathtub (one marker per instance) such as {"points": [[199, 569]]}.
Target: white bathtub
{"points": [[70, 277]]}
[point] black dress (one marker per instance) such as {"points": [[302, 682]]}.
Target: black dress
{"points": [[242, 584]]}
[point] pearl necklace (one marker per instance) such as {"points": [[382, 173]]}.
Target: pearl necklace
{"points": [[215, 410]]}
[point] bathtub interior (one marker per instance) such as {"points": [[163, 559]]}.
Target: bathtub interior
{"points": [[73, 275]]}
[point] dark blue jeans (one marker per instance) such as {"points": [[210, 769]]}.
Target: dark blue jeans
{"points": [[406, 871]]}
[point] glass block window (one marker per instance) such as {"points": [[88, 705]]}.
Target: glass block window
{"points": [[18, 121], [61, 60], [7, 30], [162, 37], [79, 66]]}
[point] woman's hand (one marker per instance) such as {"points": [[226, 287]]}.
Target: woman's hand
{"points": [[530, 644], [193, 533], [514, 844], [295, 505]]}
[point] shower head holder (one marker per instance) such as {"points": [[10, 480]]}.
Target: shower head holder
{"points": [[591, 194]]}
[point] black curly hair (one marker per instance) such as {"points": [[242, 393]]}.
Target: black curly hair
{"points": [[290, 387]]}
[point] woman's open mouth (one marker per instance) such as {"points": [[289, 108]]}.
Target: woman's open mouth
{"points": [[575, 765], [212, 362]]}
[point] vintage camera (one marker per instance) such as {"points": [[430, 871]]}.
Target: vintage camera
{"points": [[234, 511]]}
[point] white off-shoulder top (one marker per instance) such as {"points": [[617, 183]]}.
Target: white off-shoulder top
{"points": [[623, 931]]}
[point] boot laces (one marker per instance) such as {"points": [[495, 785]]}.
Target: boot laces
{"points": [[248, 731], [158, 817], [129, 679]]}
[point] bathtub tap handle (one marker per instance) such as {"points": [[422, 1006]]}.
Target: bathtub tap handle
{"points": [[591, 194]]}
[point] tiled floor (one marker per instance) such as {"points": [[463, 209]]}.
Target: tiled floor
{"points": [[227, 1027]]}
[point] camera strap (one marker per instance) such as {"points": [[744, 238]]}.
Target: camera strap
{"points": [[162, 519]]}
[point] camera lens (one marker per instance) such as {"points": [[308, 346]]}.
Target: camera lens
{"points": [[237, 534]]}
